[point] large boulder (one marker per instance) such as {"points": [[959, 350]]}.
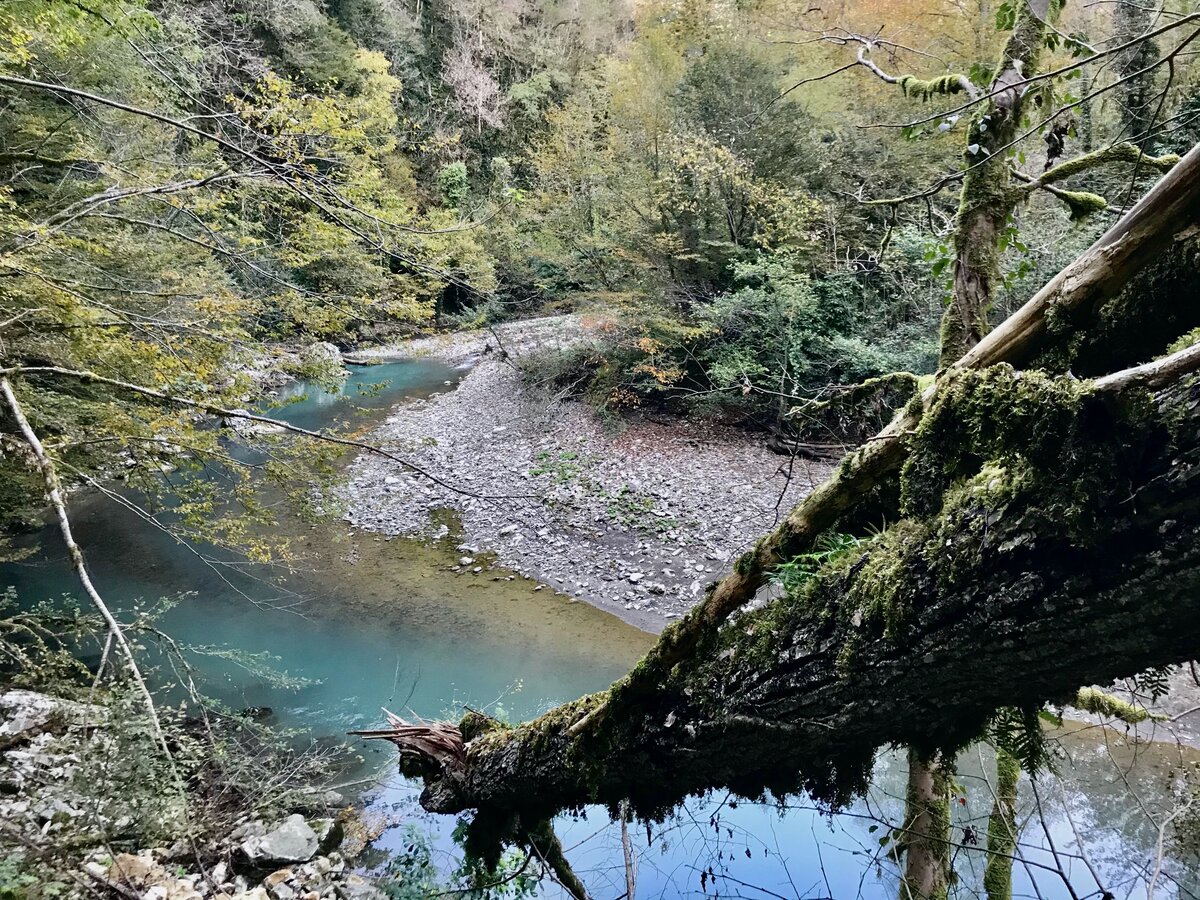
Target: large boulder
{"points": [[25, 714], [291, 841]]}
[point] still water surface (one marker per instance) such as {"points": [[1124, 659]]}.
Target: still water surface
{"points": [[374, 623]]}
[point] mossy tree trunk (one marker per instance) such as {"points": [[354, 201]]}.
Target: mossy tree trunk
{"points": [[988, 199], [926, 832], [1042, 536], [986, 203], [1057, 520], [1002, 829]]}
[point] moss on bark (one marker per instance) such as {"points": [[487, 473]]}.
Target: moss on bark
{"points": [[1002, 828], [1060, 549]]}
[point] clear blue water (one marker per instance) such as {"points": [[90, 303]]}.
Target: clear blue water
{"points": [[374, 623]]}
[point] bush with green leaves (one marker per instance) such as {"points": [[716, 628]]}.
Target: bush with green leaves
{"points": [[453, 184], [779, 337]]}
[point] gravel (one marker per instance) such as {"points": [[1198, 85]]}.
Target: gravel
{"points": [[637, 521]]}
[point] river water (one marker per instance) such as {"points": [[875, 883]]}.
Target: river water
{"points": [[373, 623]]}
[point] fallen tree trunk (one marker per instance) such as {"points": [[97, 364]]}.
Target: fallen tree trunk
{"points": [[1047, 541], [1169, 211], [1058, 518]]}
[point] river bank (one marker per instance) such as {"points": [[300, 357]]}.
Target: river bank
{"points": [[357, 623], [636, 519], [372, 622], [85, 813]]}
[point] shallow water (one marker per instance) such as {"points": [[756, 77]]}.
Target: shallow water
{"points": [[377, 623], [372, 622]]}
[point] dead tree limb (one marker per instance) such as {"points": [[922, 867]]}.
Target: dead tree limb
{"points": [[1169, 211], [54, 495]]}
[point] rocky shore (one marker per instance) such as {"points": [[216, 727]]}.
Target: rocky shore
{"points": [[636, 518], [50, 803]]}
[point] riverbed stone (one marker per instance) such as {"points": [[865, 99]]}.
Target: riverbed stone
{"points": [[292, 841], [355, 887], [277, 878]]}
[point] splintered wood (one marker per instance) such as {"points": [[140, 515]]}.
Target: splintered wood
{"points": [[440, 741]]}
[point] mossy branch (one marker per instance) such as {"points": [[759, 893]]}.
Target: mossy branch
{"points": [[1109, 706], [1085, 203], [943, 85], [1007, 535], [1002, 828], [912, 86], [1117, 153], [17, 157]]}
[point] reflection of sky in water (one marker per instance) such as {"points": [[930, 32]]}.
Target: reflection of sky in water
{"points": [[802, 852], [384, 624]]}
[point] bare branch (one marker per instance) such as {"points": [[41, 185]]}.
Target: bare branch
{"points": [[1033, 79], [55, 495], [214, 409]]}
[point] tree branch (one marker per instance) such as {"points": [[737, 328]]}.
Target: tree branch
{"points": [[226, 412], [911, 85], [54, 494]]}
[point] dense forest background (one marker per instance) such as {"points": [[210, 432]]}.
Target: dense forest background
{"points": [[188, 186]]}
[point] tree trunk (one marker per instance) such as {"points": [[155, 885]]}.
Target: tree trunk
{"points": [[1070, 299], [1002, 829], [1050, 541], [987, 199], [926, 837], [1131, 19]]}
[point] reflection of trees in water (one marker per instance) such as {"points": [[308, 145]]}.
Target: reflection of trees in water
{"points": [[1093, 826], [1127, 800]]}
